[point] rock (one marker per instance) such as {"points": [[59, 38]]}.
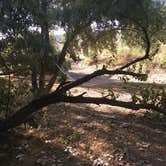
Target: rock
{"points": [[139, 163], [143, 144], [20, 157], [27, 146], [124, 125], [72, 151], [48, 141], [97, 162], [19, 148], [42, 152], [41, 161]]}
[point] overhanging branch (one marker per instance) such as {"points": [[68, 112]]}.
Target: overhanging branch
{"points": [[146, 39], [62, 56]]}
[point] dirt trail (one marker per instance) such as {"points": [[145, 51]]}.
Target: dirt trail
{"points": [[79, 70]]}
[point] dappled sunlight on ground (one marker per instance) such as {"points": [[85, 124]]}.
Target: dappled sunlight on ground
{"points": [[89, 135], [83, 134]]}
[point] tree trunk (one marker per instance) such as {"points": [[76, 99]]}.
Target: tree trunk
{"points": [[45, 44]]}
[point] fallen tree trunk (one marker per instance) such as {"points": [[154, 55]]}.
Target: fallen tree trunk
{"points": [[20, 116]]}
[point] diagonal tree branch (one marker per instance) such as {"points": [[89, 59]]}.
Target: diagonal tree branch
{"points": [[60, 62], [62, 56], [99, 73]]}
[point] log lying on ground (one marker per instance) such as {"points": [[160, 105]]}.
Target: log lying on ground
{"points": [[20, 116]]}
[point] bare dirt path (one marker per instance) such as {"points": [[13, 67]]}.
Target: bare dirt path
{"points": [[156, 76]]}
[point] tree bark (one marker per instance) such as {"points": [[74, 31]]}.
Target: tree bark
{"points": [[45, 44], [59, 63]]}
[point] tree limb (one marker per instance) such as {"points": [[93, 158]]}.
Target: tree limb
{"points": [[146, 40], [99, 73], [21, 115], [69, 39]]}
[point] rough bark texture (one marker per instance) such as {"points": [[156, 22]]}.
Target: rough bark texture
{"points": [[45, 44]]}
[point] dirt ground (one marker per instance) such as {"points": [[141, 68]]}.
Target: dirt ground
{"points": [[88, 135]]}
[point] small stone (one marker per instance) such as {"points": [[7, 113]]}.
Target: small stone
{"points": [[43, 152], [53, 165], [98, 162], [41, 161], [20, 156], [45, 157], [139, 163], [124, 125], [143, 145], [59, 160], [48, 141]]}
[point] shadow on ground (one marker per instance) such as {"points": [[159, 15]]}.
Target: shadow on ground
{"points": [[89, 135]]}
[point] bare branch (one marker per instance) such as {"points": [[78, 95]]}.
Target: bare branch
{"points": [[82, 94], [103, 100], [145, 38], [69, 39], [21, 115], [99, 73], [60, 62], [146, 56]]}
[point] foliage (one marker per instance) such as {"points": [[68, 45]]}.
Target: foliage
{"points": [[152, 96]]}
